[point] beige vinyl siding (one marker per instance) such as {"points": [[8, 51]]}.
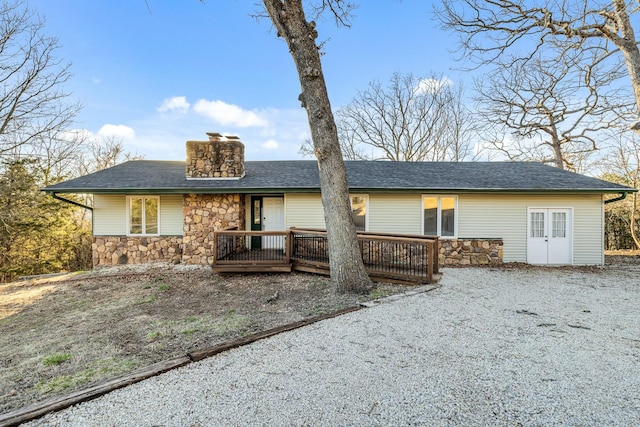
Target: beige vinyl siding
{"points": [[588, 244], [391, 213], [478, 216], [505, 216], [303, 210], [395, 213], [110, 215], [171, 216]]}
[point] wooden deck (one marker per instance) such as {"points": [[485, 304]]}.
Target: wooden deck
{"points": [[254, 261], [387, 257]]}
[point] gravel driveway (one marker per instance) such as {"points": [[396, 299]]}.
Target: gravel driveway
{"points": [[512, 347]]}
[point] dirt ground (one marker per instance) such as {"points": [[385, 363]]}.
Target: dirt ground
{"points": [[61, 333]]}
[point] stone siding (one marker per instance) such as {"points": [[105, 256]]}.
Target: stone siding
{"points": [[464, 252], [120, 250], [203, 214], [217, 158]]}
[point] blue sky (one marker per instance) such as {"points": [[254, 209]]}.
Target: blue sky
{"points": [[161, 72]]}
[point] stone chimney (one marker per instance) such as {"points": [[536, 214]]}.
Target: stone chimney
{"points": [[221, 157]]}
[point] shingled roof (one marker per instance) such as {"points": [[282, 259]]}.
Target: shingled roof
{"points": [[168, 177]]}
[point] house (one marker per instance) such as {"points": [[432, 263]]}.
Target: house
{"points": [[484, 212]]}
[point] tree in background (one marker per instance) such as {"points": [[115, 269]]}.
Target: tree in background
{"points": [[33, 104], [38, 234], [289, 19], [549, 110], [622, 165], [593, 35], [487, 29], [410, 119]]}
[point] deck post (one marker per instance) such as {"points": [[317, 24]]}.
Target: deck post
{"points": [[288, 242], [215, 248], [430, 257], [436, 255]]}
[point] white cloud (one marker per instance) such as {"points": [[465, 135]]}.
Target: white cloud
{"points": [[157, 138], [96, 80], [178, 104], [433, 85], [77, 134], [229, 114], [271, 145], [119, 131]]}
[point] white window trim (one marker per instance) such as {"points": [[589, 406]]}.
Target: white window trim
{"points": [[128, 212], [366, 207], [455, 214]]}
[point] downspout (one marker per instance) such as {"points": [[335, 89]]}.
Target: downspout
{"points": [[622, 196], [73, 202]]}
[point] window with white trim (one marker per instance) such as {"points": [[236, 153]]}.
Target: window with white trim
{"points": [[359, 204], [439, 216], [143, 215]]}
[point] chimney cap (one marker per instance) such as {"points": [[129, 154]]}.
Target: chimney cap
{"points": [[234, 137], [214, 136]]}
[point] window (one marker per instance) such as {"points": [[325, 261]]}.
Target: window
{"points": [[559, 225], [143, 215], [537, 224], [359, 211], [439, 216]]}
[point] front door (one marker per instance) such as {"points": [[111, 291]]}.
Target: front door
{"points": [[549, 236], [272, 220], [256, 221]]}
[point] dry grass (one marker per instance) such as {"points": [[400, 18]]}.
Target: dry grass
{"points": [[62, 333]]}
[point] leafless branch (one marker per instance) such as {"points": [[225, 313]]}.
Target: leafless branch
{"points": [[409, 119], [33, 103], [550, 110]]}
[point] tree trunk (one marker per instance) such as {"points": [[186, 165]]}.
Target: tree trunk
{"points": [[632, 225], [558, 154], [345, 261], [629, 48]]}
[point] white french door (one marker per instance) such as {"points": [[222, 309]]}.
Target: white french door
{"points": [[549, 236]]}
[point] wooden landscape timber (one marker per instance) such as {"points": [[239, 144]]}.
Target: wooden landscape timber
{"points": [[39, 409]]}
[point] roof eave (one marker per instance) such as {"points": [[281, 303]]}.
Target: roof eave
{"points": [[268, 190], [189, 190], [498, 190]]}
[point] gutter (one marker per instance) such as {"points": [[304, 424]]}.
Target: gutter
{"points": [[73, 202], [622, 196]]}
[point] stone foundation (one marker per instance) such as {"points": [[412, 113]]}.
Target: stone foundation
{"points": [[120, 250], [464, 252], [203, 214]]}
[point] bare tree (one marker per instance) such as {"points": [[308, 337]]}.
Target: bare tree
{"points": [[622, 165], [104, 152], [410, 119], [290, 22], [33, 104], [58, 154], [550, 110], [488, 28]]}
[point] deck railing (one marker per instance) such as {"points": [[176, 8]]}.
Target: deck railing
{"points": [[386, 256], [251, 251]]}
